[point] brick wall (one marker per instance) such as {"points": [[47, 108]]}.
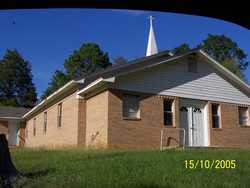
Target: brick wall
{"points": [[22, 133], [66, 135], [231, 133], [142, 133], [81, 122], [97, 120]]}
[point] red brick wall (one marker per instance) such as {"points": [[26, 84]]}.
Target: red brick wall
{"points": [[231, 133], [145, 133], [142, 133], [81, 122], [22, 134]]}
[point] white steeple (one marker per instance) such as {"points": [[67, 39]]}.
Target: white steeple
{"points": [[152, 47]]}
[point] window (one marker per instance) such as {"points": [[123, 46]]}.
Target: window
{"points": [[215, 116], [34, 126], [131, 105], [59, 115], [192, 65], [168, 112], [243, 115], [45, 122]]}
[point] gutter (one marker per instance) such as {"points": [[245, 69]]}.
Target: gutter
{"points": [[95, 84], [61, 90], [17, 118]]}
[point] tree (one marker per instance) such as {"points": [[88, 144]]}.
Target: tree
{"points": [[119, 61], [227, 52], [181, 49], [58, 80], [16, 86], [231, 65], [87, 59]]}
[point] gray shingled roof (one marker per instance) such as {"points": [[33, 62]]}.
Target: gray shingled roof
{"points": [[9, 111]]}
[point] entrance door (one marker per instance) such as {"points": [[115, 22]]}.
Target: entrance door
{"points": [[197, 127], [193, 121]]}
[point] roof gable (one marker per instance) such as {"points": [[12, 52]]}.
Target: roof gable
{"points": [[174, 79], [152, 61]]}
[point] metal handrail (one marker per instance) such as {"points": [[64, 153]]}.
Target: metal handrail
{"points": [[180, 129]]}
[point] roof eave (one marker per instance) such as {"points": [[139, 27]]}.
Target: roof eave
{"points": [[50, 98], [95, 84]]}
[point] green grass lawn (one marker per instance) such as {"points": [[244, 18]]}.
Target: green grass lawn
{"points": [[119, 168]]}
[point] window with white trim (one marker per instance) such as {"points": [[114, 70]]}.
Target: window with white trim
{"points": [[131, 106], [216, 116], [243, 115], [168, 112]]}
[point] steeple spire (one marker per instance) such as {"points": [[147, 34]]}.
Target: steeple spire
{"points": [[152, 46]]}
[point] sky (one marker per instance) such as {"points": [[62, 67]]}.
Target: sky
{"points": [[46, 37]]}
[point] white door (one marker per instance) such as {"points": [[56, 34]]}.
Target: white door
{"points": [[197, 127], [192, 120]]}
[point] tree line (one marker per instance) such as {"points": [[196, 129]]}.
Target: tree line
{"points": [[16, 79]]}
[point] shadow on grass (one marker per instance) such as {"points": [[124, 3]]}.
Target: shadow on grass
{"points": [[39, 173], [23, 178]]}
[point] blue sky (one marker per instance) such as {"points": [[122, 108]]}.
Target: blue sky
{"points": [[47, 37]]}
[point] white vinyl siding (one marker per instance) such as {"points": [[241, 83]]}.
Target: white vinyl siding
{"points": [[174, 79]]}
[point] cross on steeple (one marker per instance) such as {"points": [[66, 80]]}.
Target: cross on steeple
{"points": [[151, 20]]}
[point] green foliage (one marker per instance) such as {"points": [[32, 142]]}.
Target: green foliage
{"points": [[58, 80], [16, 86], [135, 169], [181, 49], [87, 59], [224, 50], [227, 52], [231, 65]]}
